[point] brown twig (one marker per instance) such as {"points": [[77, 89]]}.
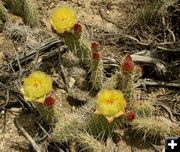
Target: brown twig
{"points": [[135, 39], [153, 146], [29, 138], [168, 110]]}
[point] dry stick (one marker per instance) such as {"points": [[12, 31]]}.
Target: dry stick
{"points": [[36, 60], [15, 93], [150, 82], [159, 65], [29, 138], [104, 16], [153, 146], [18, 61], [72, 146], [168, 50], [135, 39], [160, 104], [42, 50], [7, 87], [46, 133]]}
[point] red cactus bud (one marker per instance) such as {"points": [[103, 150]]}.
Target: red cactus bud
{"points": [[130, 116], [77, 28], [49, 101], [127, 64], [96, 56], [94, 46]]}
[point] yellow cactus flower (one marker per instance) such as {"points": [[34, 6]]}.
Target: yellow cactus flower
{"points": [[110, 103], [36, 86], [63, 19]]}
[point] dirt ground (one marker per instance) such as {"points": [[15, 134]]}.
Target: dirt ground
{"points": [[112, 16], [10, 139]]}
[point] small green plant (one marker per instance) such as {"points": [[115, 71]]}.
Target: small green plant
{"points": [[154, 8], [27, 9], [30, 13], [3, 13], [15, 6]]}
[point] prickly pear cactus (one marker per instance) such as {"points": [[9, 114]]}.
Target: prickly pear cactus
{"points": [[143, 108], [79, 47], [96, 70], [68, 127], [158, 127], [47, 114], [91, 144]]}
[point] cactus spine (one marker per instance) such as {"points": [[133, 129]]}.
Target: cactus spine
{"points": [[158, 127], [143, 108], [67, 127], [79, 47], [47, 114], [89, 143]]}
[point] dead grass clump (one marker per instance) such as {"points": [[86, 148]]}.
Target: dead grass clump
{"points": [[158, 21]]}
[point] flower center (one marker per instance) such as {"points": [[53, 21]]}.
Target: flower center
{"points": [[63, 17], [36, 84], [109, 101]]}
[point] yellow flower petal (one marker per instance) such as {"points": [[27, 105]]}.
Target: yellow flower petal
{"points": [[110, 119], [63, 18], [110, 103], [36, 86], [41, 100]]}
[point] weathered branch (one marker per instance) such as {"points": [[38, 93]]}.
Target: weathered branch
{"points": [[150, 82], [159, 65], [42, 51]]}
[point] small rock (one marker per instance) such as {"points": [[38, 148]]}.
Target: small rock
{"points": [[72, 82]]}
